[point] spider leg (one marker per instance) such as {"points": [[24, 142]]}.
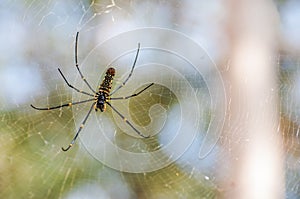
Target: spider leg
{"points": [[132, 68], [125, 120], [71, 86], [63, 105], [133, 95], [80, 128], [76, 64]]}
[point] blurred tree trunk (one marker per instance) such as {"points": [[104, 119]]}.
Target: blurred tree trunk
{"points": [[253, 119]]}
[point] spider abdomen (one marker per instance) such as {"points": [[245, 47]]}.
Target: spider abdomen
{"points": [[104, 89], [106, 84]]}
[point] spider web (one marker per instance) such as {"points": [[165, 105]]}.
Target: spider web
{"points": [[183, 111], [290, 120]]}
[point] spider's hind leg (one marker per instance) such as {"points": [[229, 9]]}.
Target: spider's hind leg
{"points": [[131, 72]]}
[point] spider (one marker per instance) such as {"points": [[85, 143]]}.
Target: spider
{"points": [[100, 98]]}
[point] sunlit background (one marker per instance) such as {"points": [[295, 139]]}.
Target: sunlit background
{"points": [[254, 51]]}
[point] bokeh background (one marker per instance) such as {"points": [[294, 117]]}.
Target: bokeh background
{"points": [[255, 47]]}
